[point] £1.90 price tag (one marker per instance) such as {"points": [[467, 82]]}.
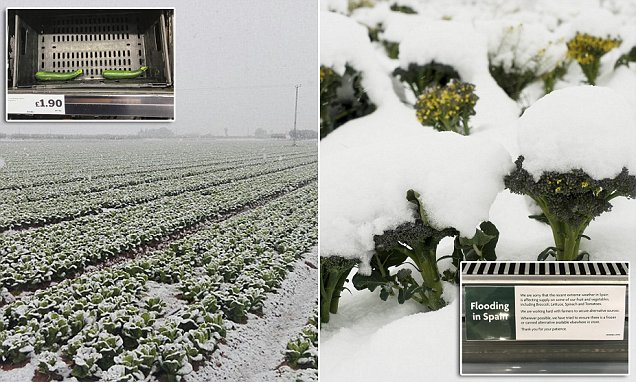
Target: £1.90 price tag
{"points": [[35, 104]]}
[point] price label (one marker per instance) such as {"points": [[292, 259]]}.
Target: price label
{"points": [[35, 104]]}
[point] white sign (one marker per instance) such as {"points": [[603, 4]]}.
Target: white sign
{"points": [[570, 312], [35, 104]]}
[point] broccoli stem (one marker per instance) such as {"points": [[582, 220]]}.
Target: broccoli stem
{"points": [[335, 299], [425, 260], [549, 79], [591, 70], [327, 286], [430, 275], [465, 125], [332, 279], [567, 238]]}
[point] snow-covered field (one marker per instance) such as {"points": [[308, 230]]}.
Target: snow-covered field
{"points": [[253, 351], [368, 163], [156, 260]]}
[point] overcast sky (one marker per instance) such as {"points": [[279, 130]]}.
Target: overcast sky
{"points": [[236, 64]]}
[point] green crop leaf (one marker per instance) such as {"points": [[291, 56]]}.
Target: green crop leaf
{"points": [[550, 251], [370, 282]]}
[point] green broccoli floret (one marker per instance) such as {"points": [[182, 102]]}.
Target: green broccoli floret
{"points": [[420, 77], [411, 234], [569, 202], [418, 242], [333, 274]]}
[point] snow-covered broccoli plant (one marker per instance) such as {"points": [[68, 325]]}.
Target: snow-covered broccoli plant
{"points": [[352, 83], [569, 201], [587, 50], [342, 98], [416, 241], [523, 53], [392, 240], [447, 108], [397, 7], [481, 247], [550, 78], [577, 155]]}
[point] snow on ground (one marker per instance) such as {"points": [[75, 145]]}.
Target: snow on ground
{"points": [[168, 294], [562, 131], [370, 340], [253, 352], [20, 374]]}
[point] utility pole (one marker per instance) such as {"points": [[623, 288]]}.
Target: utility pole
{"points": [[295, 114]]}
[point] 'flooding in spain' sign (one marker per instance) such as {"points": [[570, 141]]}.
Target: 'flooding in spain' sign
{"points": [[545, 312]]}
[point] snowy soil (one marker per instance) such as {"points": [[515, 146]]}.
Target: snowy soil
{"points": [[253, 351], [168, 294], [20, 374]]}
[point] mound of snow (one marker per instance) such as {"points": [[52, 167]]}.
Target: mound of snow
{"points": [[596, 22], [397, 26], [583, 127], [423, 341], [364, 181], [446, 42], [623, 81]]}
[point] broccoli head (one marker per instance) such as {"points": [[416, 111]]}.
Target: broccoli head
{"points": [[411, 234], [570, 201]]}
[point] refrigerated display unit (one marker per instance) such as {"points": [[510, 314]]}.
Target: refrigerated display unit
{"points": [[548, 355], [93, 40]]}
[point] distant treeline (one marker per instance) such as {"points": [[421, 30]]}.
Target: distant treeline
{"points": [[163, 132]]}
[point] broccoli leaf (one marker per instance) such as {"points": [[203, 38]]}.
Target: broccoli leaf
{"points": [[414, 197]]}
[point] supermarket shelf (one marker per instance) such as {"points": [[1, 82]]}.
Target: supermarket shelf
{"points": [[121, 105], [545, 357], [546, 368], [158, 104]]}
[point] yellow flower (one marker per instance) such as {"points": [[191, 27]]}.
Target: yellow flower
{"points": [[586, 49], [445, 108]]}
